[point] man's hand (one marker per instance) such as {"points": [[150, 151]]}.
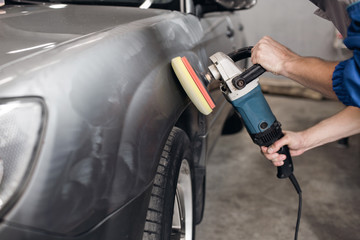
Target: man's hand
{"points": [[311, 72], [295, 142], [343, 124], [272, 55]]}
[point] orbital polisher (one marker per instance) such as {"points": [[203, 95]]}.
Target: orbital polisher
{"points": [[242, 90]]}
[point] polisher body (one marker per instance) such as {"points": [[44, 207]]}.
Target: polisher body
{"points": [[262, 125], [249, 101], [245, 96], [255, 111], [243, 91]]}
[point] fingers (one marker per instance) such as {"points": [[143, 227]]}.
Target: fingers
{"points": [[278, 163], [295, 142], [275, 147], [271, 153], [256, 51], [263, 53]]}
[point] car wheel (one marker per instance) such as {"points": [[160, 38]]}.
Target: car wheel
{"points": [[171, 209]]}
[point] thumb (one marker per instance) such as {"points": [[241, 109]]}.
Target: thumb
{"points": [[278, 144]]}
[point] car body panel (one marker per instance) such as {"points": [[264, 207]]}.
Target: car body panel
{"points": [[111, 99], [27, 29], [125, 223]]}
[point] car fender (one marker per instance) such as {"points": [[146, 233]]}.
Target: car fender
{"points": [[112, 100]]}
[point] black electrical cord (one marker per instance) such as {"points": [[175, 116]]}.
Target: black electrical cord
{"points": [[298, 190]]}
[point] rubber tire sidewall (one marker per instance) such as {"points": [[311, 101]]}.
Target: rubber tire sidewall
{"points": [[176, 150]]}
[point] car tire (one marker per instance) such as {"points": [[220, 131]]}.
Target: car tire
{"points": [[171, 209]]}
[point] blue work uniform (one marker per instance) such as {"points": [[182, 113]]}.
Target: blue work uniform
{"points": [[345, 15], [346, 77]]}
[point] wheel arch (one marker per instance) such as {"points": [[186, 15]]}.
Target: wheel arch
{"points": [[194, 125]]}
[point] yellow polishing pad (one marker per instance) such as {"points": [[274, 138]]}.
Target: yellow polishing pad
{"points": [[190, 87]]}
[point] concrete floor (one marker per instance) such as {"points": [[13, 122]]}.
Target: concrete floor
{"points": [[245, 200]]}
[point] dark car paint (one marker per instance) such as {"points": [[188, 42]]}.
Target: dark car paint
{"points": [[111, 99], [43, 26], [127, 222]]}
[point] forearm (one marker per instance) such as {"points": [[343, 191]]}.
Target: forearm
{"points": [[311, 72], [343, 124]]}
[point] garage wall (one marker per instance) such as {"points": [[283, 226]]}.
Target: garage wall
{"points": [[294, 24]]}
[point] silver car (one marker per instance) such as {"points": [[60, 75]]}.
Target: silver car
{"points": [[97, 138]]}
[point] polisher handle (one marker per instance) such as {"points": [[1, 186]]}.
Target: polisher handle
{"points": [[252, 73], [287, 169], [240, 54], [247, 76], [244, 53]]}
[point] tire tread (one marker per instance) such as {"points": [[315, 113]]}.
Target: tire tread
{"points": [[153, 226]]}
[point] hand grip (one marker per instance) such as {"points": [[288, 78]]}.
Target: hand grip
{"points": [[252, 72], [287, 169], [240, 54], [247, 76]]}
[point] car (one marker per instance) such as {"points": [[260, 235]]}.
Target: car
{"points": [[97, 138]]}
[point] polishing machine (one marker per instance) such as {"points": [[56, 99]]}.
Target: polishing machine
{"points": [[242, 90]]}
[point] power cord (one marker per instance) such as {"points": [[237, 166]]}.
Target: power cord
{"points": [[298, 190]]}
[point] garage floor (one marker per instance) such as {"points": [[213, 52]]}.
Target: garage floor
{"points": [[245, 200]]}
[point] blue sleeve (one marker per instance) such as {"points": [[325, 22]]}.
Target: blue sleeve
{"points": [[346, 77]]}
